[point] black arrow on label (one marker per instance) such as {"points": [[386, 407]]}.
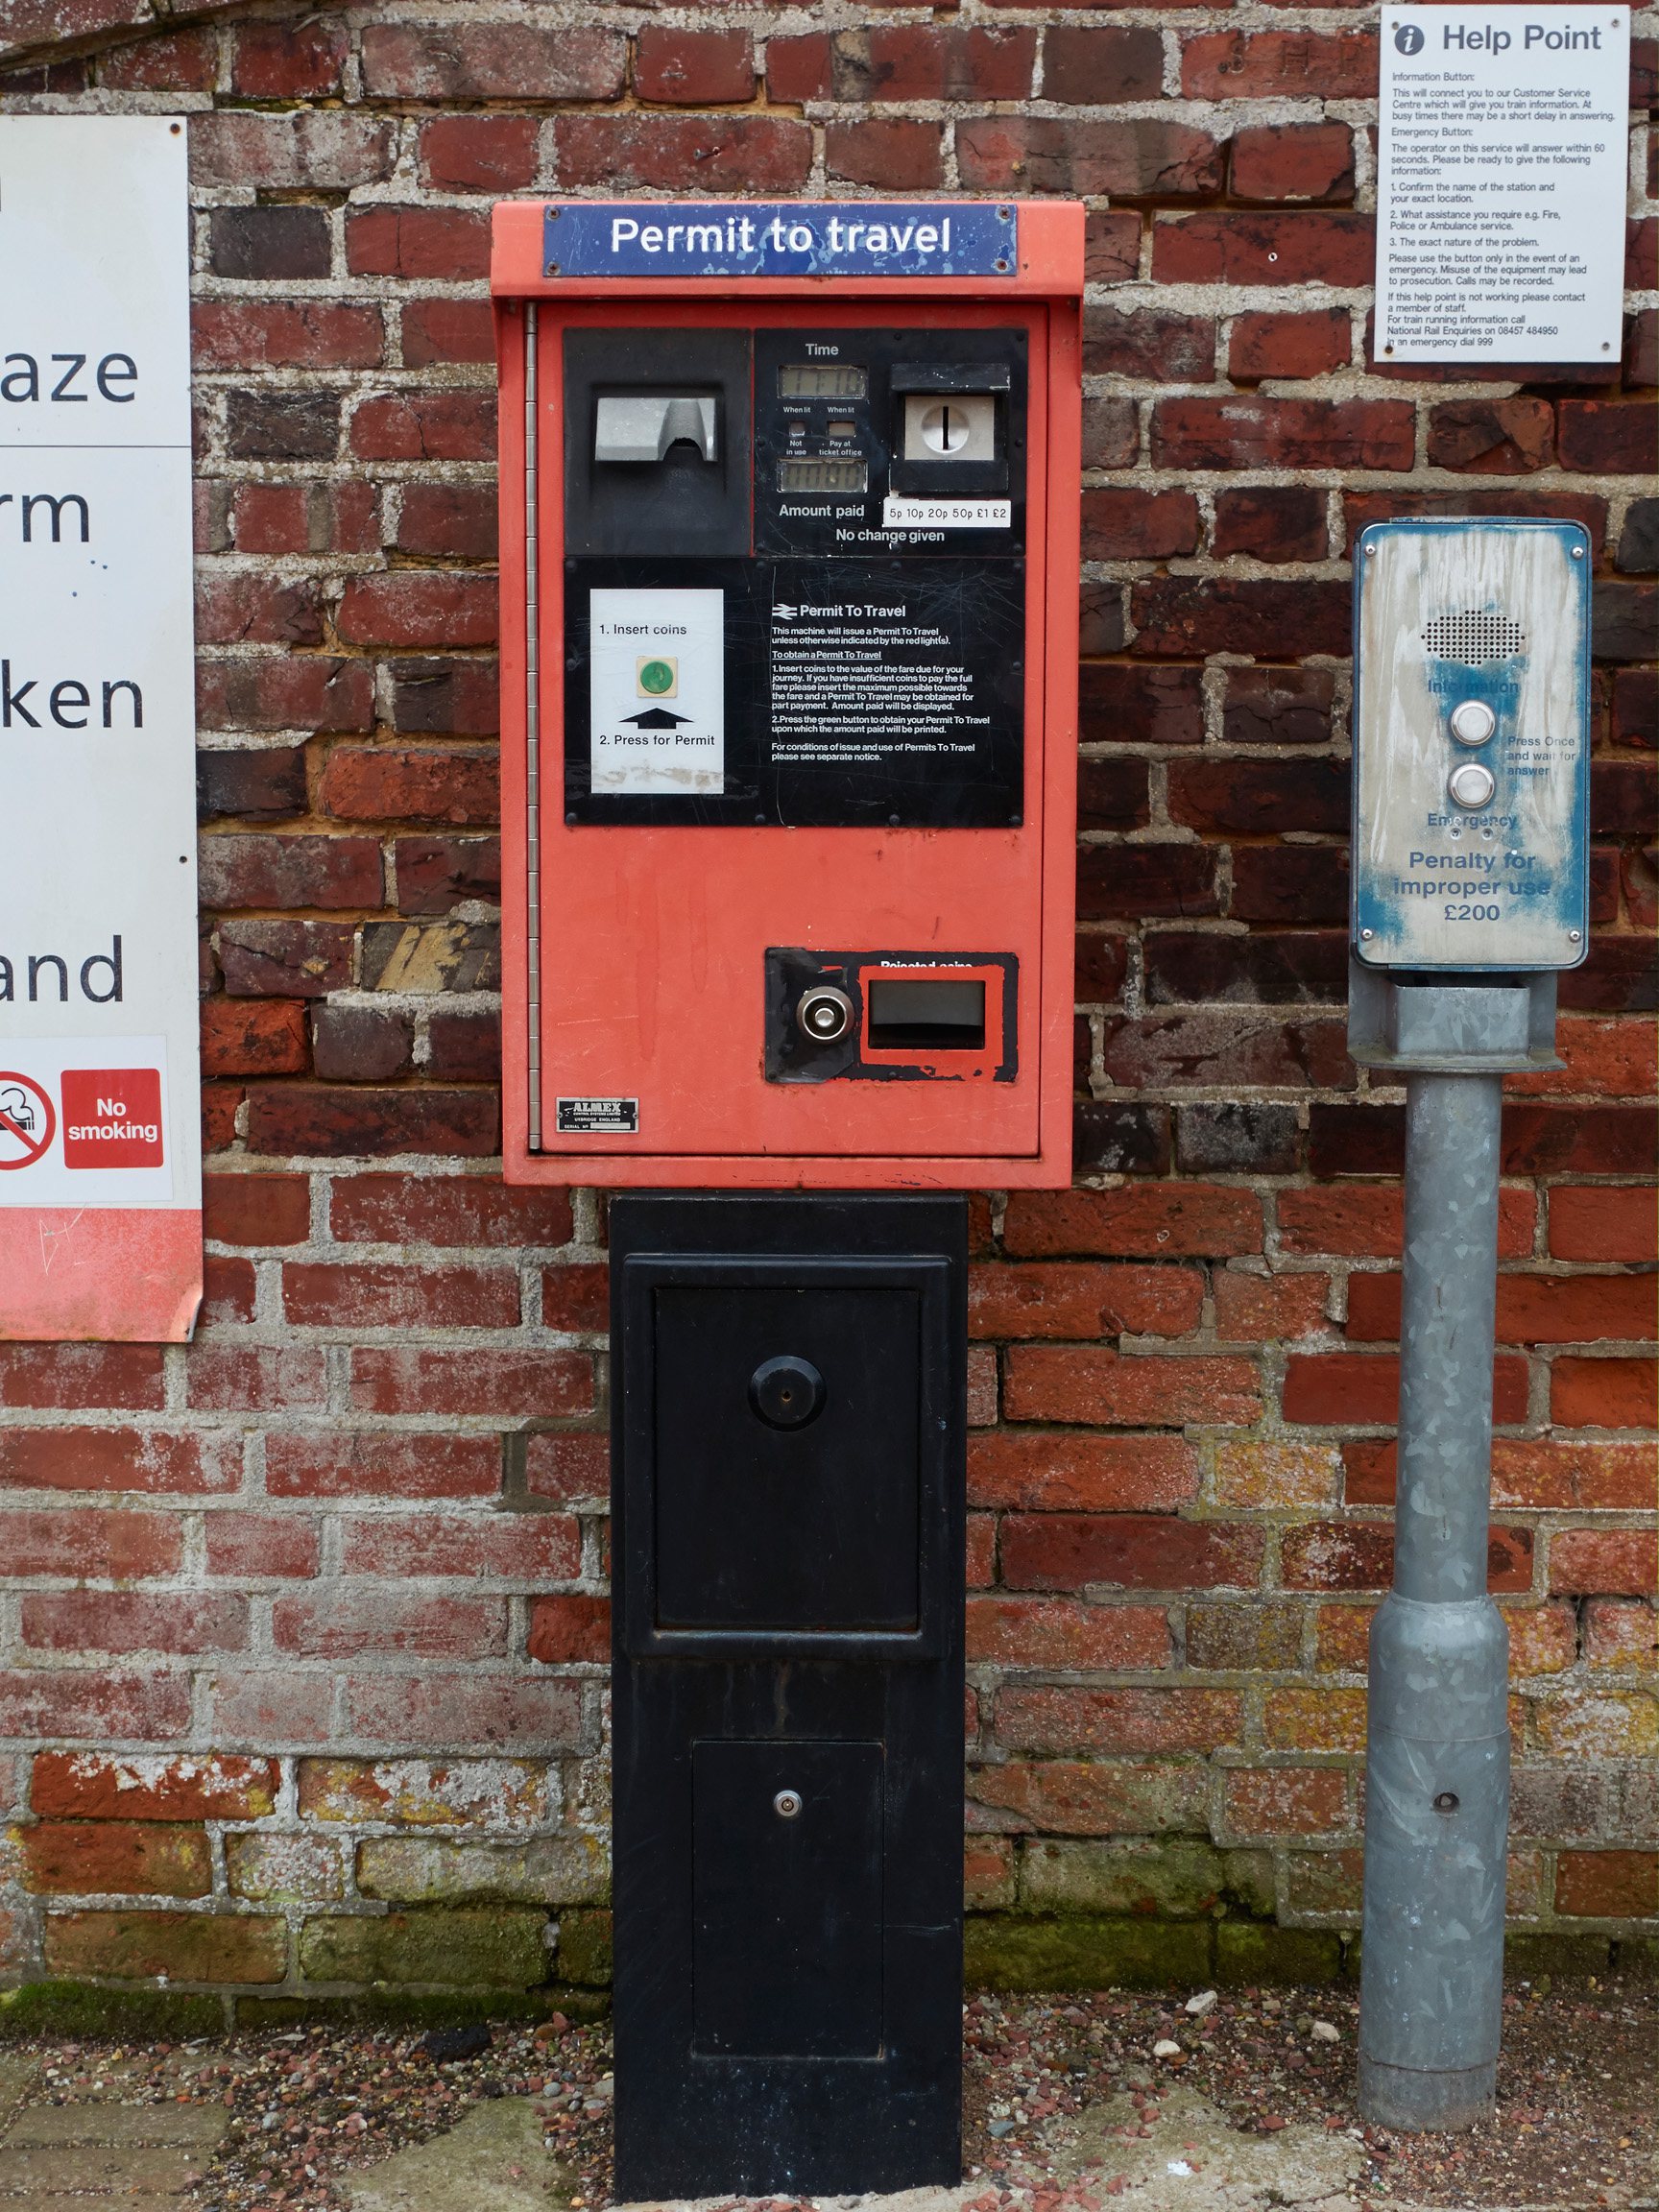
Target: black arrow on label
{"points": [[656, 718]]}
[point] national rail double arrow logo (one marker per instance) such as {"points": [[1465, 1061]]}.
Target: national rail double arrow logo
{"points": [[28, 1123]]}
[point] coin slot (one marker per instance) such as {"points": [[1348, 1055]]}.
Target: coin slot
{"points": [[926, 1014], [949, 426]]}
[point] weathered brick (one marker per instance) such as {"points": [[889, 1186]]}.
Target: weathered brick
{"points": [[1286, 1800], [116, 1858], [271, 871], [1053, 1719], [133, 1621], [190, 1947], [1181, 616], [415, 608], [426, 426], [288, 59], [1609, 437], [159, 1461], [294, 693], [886, 151], [1614, 1562], [78, 1786], [286, 335], [1128, 1551], [1305, 162], [1278, 64], [1128, 524], [479, 152], [466, 61], [694, 68], [1144, 158], [270, 242], [1274, 522], [1020, 1632], [1131, 880], [446, 331], [1608, 1885], [1243, 249], [1310, 344], [1103, 1798], [895, 62], [116, 1377], [1245, 433], [302, 149], [1500, 437], [1148, 346], [384, 240], [456, 521], [725, 153], [1126, 703]]}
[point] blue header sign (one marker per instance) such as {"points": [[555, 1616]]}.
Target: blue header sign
{"points": [[790, 238]]}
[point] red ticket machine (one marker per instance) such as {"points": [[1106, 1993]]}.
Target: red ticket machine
{"points": [[789, 545]]}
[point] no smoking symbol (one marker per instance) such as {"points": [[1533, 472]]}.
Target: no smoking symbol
{"points": [[27, 1124]]}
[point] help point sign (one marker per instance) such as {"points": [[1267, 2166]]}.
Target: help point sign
{"points": [[100, 1147]]}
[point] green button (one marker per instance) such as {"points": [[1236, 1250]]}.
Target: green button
{"points": [[656, 677]]}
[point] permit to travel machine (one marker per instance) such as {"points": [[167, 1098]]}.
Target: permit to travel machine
{"points": [[789, 538]]}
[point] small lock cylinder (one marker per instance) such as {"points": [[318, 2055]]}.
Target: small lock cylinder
{"points": [[824, 1014]]}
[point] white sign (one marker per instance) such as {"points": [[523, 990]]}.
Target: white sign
{"points": [[99, 1079], [901, 513], [1501, 182], [658, 706]]}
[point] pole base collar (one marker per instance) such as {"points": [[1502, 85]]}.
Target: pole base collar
{"points": [[1418, 2103]]}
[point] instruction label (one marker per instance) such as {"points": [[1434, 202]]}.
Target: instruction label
{"points": [[1501, 188], [898, 686], [657, 712]]}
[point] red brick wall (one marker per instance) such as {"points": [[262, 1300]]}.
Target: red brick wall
{"points": [[306, 1621]]}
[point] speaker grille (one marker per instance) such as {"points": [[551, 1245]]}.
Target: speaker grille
{"points": [[1472, 636]]}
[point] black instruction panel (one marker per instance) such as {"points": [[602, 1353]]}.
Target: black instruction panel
{"points": [[860, 661]]}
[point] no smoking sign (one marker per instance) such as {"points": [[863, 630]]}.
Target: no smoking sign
{"points": [[26, 1120], [112, 1117]]}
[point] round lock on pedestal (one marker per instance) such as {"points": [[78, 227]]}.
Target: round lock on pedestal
{"points": [[786, 1393], [823, 1013], [1472, 785], [1471, 721]]}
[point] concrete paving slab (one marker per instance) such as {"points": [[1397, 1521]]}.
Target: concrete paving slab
{"points": [[128, 2127], [67, 2167], [19, 2071], [1194, 2161], [39, 2200], [493, 2162]]}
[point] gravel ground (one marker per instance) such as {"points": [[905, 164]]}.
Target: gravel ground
{"points": [[1578, 2090]]}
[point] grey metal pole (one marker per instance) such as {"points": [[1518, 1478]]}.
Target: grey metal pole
{"points": [[1437, 1770]]}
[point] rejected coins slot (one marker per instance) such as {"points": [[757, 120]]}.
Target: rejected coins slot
{"points": [[926, 1014]]}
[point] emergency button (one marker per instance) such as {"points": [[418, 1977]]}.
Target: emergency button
{"points": [[1472, 785]]}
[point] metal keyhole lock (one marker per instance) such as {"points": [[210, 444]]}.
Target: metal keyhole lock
{"points": [[787, 1804], [1448, 1801], [823, 1013], [786, 1393]]}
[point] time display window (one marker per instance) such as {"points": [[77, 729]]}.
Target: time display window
{"points": [[822, 380], [824, 475]]}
